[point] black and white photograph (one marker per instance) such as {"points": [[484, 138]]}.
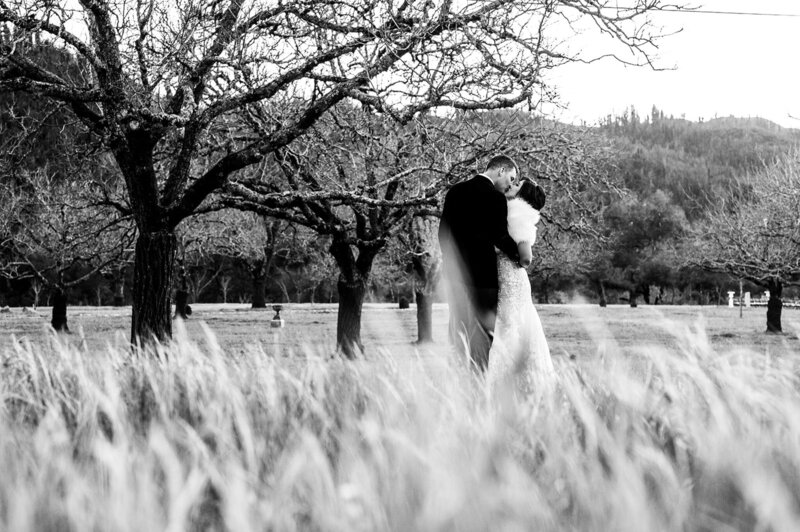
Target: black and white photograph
{"points": [[399, 265]]}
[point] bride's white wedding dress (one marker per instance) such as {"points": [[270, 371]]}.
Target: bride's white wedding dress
{"points": [[519, 355]]}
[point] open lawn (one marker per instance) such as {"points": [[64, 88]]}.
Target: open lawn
{"points": [[579, 330]]}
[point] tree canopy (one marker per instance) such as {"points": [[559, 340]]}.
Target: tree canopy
{"points": [[162, 83]]}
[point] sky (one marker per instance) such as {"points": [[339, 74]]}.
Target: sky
{"points": [[720, 65]]}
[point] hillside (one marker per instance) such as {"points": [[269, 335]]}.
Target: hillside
{"points": [[693, 161]]}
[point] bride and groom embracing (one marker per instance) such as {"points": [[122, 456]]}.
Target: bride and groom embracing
{"points": [[487, 231]]}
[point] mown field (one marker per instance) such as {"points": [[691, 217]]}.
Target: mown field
{"points": [[579, 330], [670, 418]]}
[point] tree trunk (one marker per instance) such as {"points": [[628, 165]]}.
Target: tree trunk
{"points": [[424, 317], [118, 287], [774, 307], [313, 294], [285, 292], [259, 285], [603, 299], [59, 316], [224, 285], [152, 283], [545, 292], [352, 286], [632, 298], [182, 308], [37, 288], [119, 300], [348, 323], [659, 296]]}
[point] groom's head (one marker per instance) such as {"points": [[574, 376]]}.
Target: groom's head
{"points": [[502, 170]]}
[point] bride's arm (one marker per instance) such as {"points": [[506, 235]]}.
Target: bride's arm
{"points": [[522, 219], [525, 253]]}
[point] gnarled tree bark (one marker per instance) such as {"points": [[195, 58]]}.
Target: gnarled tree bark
{"points": [[774, 306], [152, 283], [348, 322], [352, 286], [59, 315]]}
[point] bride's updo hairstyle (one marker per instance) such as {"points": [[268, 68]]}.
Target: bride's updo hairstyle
{"points": [[532, 194]]}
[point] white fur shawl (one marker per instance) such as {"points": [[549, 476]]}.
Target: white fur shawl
{"points": [[522, 220]]}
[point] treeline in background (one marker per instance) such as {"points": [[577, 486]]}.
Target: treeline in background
{"points": [[641, 208]]}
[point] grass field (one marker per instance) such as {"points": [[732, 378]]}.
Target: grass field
{"points": [[577, 330], [669, 418]]}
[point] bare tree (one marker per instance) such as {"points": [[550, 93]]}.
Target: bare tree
{"points": [[225, 286], [419, 241], [355, 178], [36, 286], [757, 238], [202, 250], [261, 244], [265, 246], [60, 236], [162, 79]]}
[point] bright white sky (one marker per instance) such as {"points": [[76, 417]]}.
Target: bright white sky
{"points": [[740, 65]]}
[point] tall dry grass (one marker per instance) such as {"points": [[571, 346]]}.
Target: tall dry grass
{"points": [[188, 438]]}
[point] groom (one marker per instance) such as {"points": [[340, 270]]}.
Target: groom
{"points": [[473, 224]]}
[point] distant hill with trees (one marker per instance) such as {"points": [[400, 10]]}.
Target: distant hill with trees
{"points": [[693, 161], [676, 170]]}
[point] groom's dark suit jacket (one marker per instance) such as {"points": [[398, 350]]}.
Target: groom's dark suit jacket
{"points": [[474, 223]]}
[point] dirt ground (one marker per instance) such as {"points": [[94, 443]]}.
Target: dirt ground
{"points": [[577, 330]]}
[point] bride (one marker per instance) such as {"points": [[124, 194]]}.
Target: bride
{"points": [[520, 356]]}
